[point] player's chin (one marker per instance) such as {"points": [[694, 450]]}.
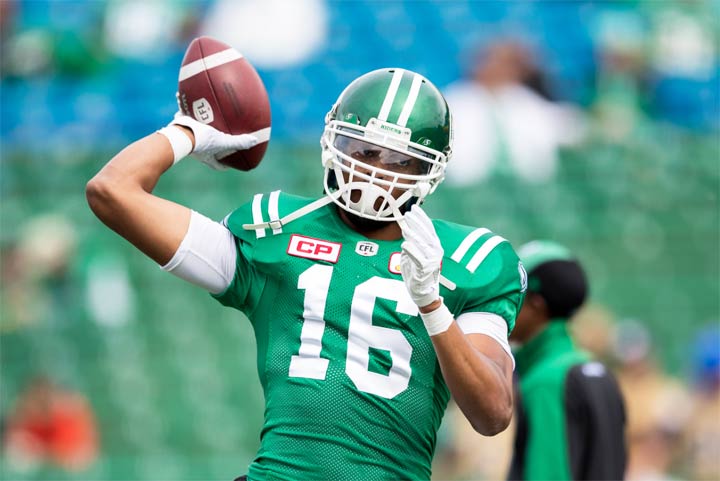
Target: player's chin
{"points": [[363, 224]]}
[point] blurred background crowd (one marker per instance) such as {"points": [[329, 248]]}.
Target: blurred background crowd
{"points": [[595, 124]]}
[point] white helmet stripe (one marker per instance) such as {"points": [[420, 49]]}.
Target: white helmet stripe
{"points": [[410, 101], [390, 95]]}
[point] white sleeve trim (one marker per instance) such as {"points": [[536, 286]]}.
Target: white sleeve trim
{"points": [[206, 256], [489, 324]]}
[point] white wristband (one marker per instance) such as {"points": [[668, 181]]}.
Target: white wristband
{"points": [[437, 321], [180, 143]]}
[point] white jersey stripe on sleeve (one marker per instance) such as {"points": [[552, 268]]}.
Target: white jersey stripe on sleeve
{"points": [[274, 210], [467, 243], [257, 214], [410, 101], [390, 95], [483, 252]]}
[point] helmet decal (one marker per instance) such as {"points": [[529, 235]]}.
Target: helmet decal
{"points": [[390, 95], [411, 99]]}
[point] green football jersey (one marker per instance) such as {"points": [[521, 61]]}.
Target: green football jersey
{"points": [[353, 389]]}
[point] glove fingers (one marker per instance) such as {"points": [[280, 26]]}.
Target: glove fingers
{"points": [[413, 229], [420, 227], [413, 252], [427, 230], [210, 161], [240, 142], [406, 266], [421, 215], [404, 227]]}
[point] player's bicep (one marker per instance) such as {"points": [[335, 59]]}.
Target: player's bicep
{"points": [[207, 255], [480, 327], [494, 351]]}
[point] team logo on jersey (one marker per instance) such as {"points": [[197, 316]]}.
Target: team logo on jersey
{"points": [[394, 264], [367, 249], [309, 248]]}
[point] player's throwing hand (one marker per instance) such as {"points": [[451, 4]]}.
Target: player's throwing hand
{"points": [[210, 143]]}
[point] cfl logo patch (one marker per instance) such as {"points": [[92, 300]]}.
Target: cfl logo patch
{"points": [[366, 249], [203, 112], [309, 248]]}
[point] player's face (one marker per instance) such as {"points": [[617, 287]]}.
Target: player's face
{"points": [[530, 320], [380, 157]]}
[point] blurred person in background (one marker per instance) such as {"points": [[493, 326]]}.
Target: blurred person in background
{"points": [[592, 330], [619, 109], [673, 432], [506, 119], [657, 63], [684, 67], [570, 413], [702, 439], [359, 346], [658, 405], [39, 285], [463, 453], [49, 425]]}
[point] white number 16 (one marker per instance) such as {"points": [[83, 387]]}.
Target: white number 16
{"points": [[362, 335]]}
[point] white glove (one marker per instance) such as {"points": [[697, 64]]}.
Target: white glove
{"points": [[420, 262], [421, 257], [211, 144]]}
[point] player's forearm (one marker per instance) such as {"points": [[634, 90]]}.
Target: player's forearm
{"points": [[120, 196], [139, 165], [480, 387]]}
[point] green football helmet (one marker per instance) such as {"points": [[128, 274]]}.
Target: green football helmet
{"points": [[386, 143]]}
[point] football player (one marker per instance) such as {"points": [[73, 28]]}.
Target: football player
{"points": [[367, 314]]}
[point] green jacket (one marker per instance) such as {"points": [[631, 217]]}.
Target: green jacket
{"points": [[570, 415]]}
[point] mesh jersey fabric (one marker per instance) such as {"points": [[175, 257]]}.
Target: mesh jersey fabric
{"points": [[352, 386]]}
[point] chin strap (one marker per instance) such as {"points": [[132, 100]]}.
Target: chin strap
{"points": [[313, 206], [321, 202]]}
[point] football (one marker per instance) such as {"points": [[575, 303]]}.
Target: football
{"points": [[219, 87]]}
